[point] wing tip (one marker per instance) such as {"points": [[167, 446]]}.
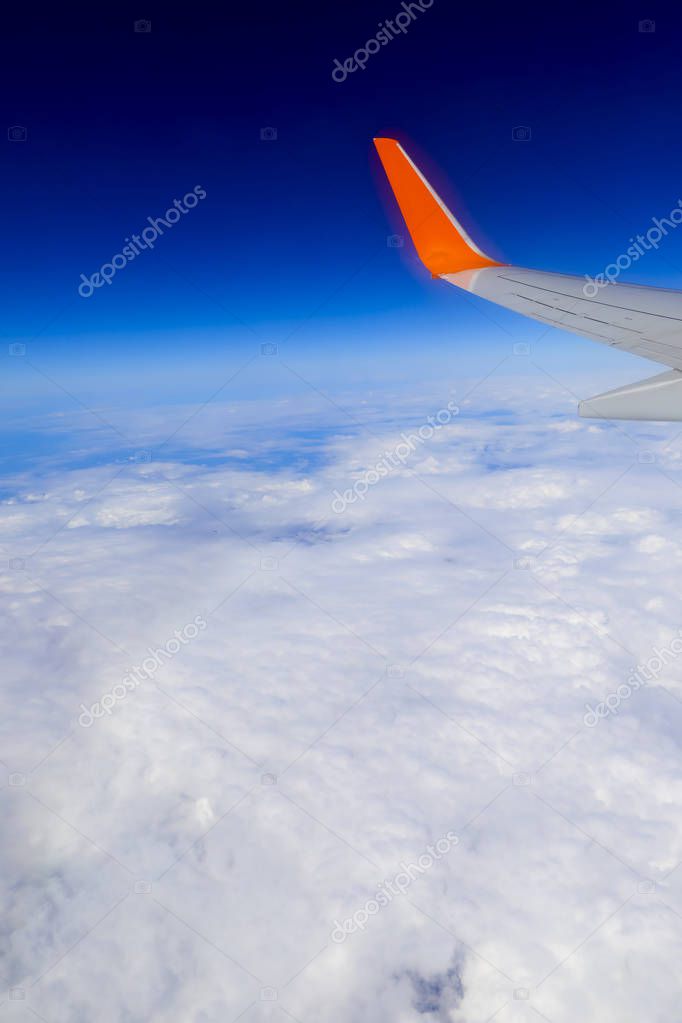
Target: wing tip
{"points": [[443, 245]]}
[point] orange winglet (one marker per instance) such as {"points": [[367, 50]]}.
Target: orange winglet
{"points": [[443, 245]]}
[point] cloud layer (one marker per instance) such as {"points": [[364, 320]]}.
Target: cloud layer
{"points": [[366, 683]]}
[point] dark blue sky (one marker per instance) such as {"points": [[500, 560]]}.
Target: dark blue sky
{"points": [[289, 245]]}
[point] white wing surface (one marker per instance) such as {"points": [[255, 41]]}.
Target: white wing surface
{"points": [[642, 320]]}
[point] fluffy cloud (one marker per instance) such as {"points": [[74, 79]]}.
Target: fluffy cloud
{"points": [[367, 682]]}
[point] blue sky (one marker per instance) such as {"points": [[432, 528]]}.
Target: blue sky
{"points": [[289, 246]]}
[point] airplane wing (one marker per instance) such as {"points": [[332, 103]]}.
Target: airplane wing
{"points": [[633, 318]]}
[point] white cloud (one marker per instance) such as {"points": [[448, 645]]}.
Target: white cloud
{"points": [[367, 682]]}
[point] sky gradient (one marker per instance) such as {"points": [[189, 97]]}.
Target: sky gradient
{"points": [[290, 245]]}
